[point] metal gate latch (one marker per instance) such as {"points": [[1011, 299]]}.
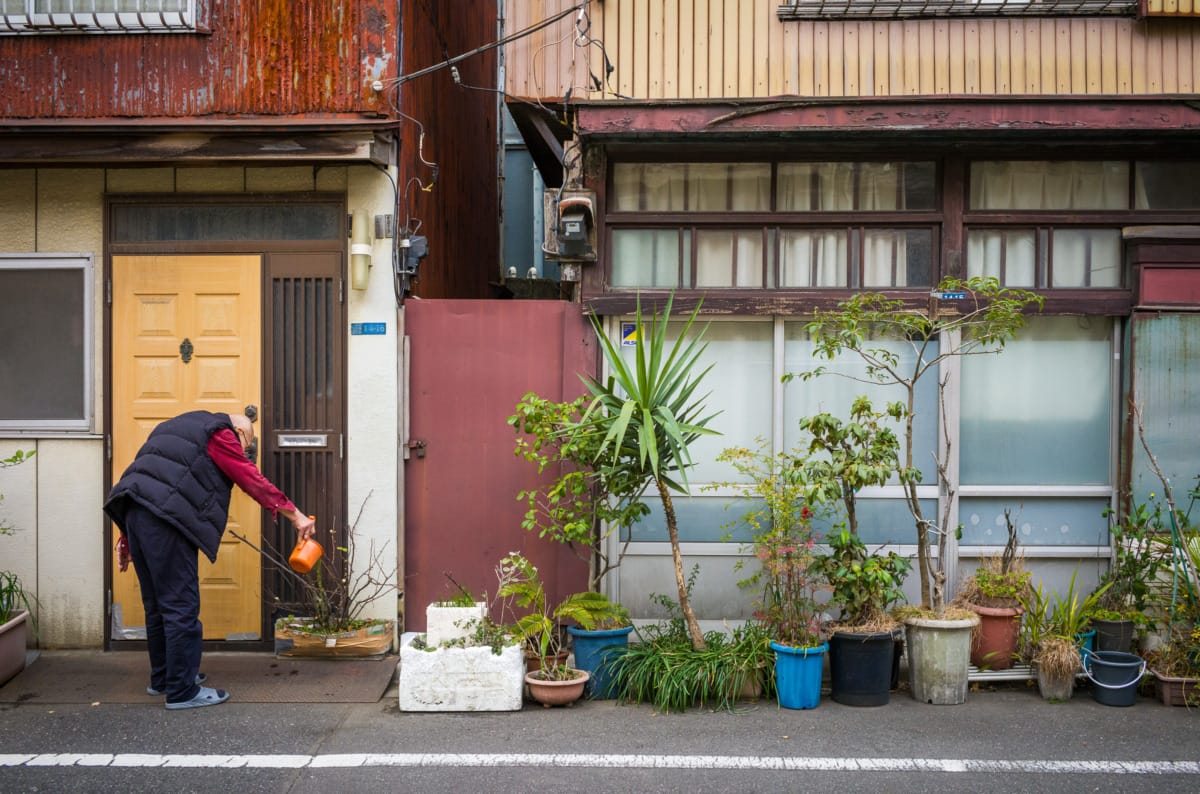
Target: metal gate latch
{"points": [[418, 445]]}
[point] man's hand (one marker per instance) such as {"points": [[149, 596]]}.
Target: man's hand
{"points": [[122, 554], [305, 526]]}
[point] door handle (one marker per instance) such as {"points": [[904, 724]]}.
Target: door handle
{"points": [[185, 350]]}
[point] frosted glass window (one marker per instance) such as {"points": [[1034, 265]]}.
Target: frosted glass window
{"points": [[657, 187], [1086, 258], [1167, 185], [1039, 412], [1039, 521], [738, 388], [701, 519], [813, 258], [1008, 255], [879, 520], [1049, 185], [835, 391], [645, 258], [729, 258], [718, 187]]}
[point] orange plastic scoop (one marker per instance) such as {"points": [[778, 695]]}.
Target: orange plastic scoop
{"points": [[306, 554]]}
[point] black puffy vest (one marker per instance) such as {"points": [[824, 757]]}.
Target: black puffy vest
{"points": [[174, 478]]}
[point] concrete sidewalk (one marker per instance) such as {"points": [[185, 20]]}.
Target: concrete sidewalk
{"points": [[1004, 739]]}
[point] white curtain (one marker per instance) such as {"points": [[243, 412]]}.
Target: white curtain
{"points": [[1016, 248], [813, 258], [1087, 258], [645, 258], [716, 252], [885, 258], [1049, 185]]}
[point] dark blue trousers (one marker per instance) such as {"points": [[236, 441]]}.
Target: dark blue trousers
{"points": [[167, 571]]}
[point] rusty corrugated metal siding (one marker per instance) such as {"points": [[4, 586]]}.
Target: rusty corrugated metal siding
{"points": [[286, 58]]}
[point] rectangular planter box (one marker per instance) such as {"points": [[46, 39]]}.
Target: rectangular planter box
{"points": [[13, 641], [443, 624], [293, 639], [1177, 691], [461, 679]]}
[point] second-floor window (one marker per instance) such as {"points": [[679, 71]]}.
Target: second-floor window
{"points": [[773, 225], [97, 16]]}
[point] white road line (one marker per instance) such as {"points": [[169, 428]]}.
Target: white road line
{"points": [[736, 762]]}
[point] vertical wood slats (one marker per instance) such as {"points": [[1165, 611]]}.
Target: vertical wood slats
{"points": [[305, 390], [680, 49]]}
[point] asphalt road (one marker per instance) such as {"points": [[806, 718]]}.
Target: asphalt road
{"points": [[1006, 740]]}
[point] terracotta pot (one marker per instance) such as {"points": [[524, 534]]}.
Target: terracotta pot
{"points": [[994, 645], [533, 662], [556, 693]]}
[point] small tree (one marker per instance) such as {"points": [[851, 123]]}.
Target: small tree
{"points": [[585, 505], [981, 321], [647, 416], [860, 452]]}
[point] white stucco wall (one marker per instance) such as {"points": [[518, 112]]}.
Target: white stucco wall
{"points": [[372, 390]]}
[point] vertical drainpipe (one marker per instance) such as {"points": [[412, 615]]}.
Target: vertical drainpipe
{"points": [[401, 356], [501, 150]]}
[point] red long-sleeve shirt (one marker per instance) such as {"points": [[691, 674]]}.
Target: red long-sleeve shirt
{"points": [[226, 451]]}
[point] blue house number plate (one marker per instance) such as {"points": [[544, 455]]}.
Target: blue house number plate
{"points": [[368, 329]]}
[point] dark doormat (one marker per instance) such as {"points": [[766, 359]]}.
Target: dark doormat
{"points": [[122, 677]]}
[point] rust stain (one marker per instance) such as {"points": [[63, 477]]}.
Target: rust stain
{"points": [[269, 57]]}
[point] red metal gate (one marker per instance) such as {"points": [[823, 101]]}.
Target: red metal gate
{"points": [[470, 362]]}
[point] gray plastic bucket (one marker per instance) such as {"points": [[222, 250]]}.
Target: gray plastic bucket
{"points": [[1115, 675]]}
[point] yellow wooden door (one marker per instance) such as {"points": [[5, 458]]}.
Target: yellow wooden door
{"points": [[214, 303]]}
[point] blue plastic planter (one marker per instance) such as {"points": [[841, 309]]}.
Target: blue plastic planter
{"points": [[591, 648], [798, 675], [1086, 640]]}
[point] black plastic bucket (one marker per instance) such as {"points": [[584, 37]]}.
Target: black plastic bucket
{"points": [[860, 668], [1115, 675], [1114, 635]]}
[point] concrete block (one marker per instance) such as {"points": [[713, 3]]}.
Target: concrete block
{"points": [[461, 679]]}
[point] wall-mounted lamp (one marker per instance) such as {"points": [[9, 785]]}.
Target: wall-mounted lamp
{"points": [[360, 250]]}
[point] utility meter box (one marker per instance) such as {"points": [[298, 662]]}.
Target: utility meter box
{"points": [[576, 232]]}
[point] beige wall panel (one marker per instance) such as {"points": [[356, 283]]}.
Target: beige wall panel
{"points": [[70, 491], [279, 180], [739, 48], [140, 180], [18, 201], [334, 177], [670, 62], [779, 59], [70, 216], [214, 180]]}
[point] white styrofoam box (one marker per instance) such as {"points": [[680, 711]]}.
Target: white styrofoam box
{"points": [[461, 679], [443, 624]]}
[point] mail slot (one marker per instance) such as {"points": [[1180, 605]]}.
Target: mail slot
{"points": [[302, 440]]}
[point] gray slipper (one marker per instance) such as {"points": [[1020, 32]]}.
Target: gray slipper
{"points": [[205, 697], [150, 690]]}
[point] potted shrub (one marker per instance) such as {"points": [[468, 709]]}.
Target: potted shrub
{"points": [[986, 317], [864, 587], [553, 683], [646, 416], [1176, 665], [16, 609], [1053, 655], [996, 593], [1124, 609]]}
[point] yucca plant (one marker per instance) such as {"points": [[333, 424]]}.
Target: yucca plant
{"points": [[648, 415], [539, 628]]}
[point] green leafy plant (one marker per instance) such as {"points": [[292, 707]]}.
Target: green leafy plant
{"points": [[1044, 638], [982, 322], [585, 504], [540, 627], [647, 415], [845, 457], [788, 607], [865, 586], [13, 595], [1001, 582], [1071, 613], [1137, 556]]}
